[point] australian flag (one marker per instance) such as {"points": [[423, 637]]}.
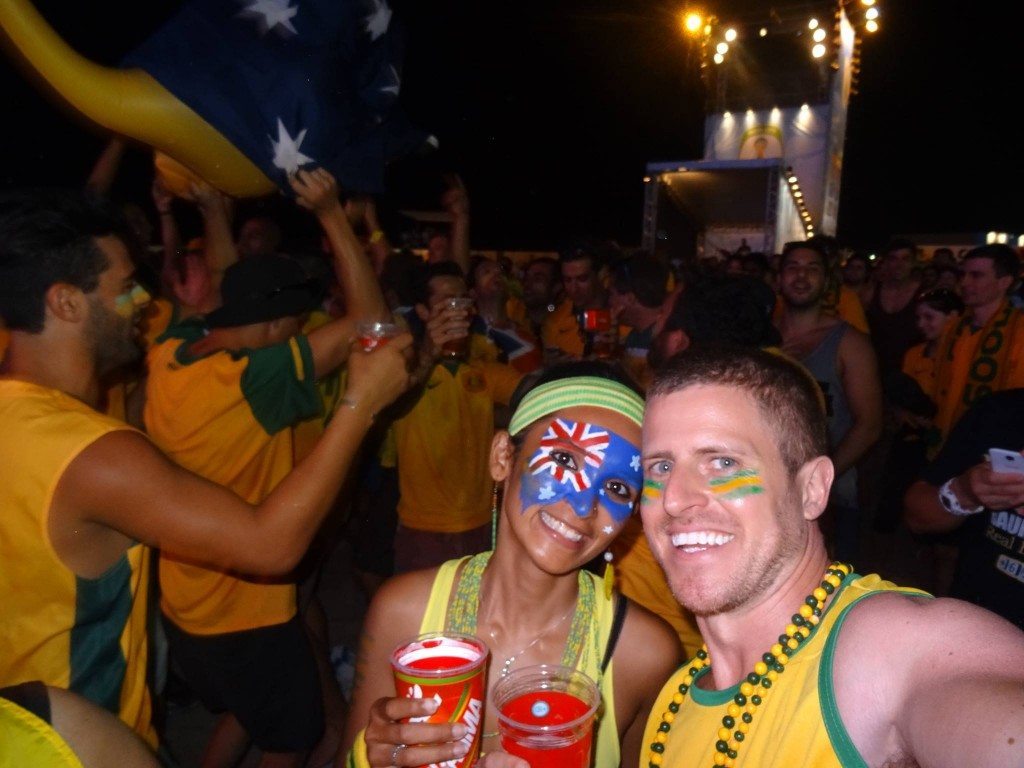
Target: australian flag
{"points": [[292, 83]]}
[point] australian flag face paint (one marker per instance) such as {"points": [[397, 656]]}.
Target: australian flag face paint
{"points": [[582, 464]]}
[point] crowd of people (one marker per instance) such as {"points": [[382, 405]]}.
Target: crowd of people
{"points": [[611, 460]]}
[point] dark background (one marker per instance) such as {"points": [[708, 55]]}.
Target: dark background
{"points": [[550, 111]]}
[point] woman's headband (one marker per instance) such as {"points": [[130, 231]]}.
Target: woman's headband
{"points": [[592, 391]]}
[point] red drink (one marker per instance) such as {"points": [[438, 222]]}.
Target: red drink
{"points": [[450, 670], [375, 334], [554, 748], [546, 715]]}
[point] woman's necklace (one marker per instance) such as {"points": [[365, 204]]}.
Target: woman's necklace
{"points": [[740, 713], [507, 664]]}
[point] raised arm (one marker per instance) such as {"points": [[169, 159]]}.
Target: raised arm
{"points": [[103, 173], [863, 390], [456, 201], [317, 191], [218, 243], [123, 485]]}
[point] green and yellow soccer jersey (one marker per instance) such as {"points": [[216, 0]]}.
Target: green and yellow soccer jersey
{"points": [[228, 417]]}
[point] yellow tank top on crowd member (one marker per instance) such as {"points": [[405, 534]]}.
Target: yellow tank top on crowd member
{"points": [[798, 723], [227, 417], [444, 447], [639, 577], [85, 635], [26, 740]]}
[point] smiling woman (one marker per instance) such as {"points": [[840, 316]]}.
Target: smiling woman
{"points": [[569, 471]]}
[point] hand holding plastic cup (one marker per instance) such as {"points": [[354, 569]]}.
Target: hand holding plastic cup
{"points": [[449, 668], [375, 333], [546, 715]]}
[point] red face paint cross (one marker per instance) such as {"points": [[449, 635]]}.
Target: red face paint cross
{"points": [[593, 441]]}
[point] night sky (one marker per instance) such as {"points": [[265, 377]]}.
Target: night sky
{"points": [[550, 110]]}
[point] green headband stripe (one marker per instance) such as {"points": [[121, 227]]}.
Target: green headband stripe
{"points": [[580, 390]]}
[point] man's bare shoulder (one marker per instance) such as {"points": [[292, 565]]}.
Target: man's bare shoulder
{"points": [[916, 627]]}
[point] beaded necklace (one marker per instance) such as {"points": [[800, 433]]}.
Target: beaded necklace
{"points": [[740, 713]]}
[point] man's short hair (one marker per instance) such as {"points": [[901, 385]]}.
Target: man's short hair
{"points": [[48, 237], [788, 397], [1005, 260], [644, 277], [815, 246], [421, 290]]}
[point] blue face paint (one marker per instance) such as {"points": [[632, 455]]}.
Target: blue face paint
{"points": [[583, 464]]}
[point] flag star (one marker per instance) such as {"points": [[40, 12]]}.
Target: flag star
{"points": [[396, 82], [634, 463], [286, 149], [608, 529], [600, 492], [546, 492], [379, 19], [272, 13]]}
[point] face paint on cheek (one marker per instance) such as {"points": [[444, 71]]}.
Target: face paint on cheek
{"points": [[124, 305], [652, 491], [743, 482]]}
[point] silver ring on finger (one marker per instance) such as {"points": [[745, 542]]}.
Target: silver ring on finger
{"points": [[394, 754]]}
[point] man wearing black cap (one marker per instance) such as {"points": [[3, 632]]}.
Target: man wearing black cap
{"points": [[224, 393]]}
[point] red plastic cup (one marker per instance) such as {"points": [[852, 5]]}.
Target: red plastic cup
{"points": [[449, 668], [546, 715], [373, 334]]}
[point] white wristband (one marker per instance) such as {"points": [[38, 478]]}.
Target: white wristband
{"points": [[950, 502]]}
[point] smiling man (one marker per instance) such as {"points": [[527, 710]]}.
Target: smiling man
{"points": [[806, 662]]}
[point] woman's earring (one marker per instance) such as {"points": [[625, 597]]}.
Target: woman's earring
{"points": [[609, 574], [494, 517]]}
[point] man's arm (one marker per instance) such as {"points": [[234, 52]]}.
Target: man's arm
{"points": [[863, 391], [952, 692], [103, 173], [122, 483], [978, 488], [317, 191], [218, 243], [456, 201]]}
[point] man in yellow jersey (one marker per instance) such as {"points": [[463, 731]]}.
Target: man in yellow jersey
{"points": [[83, 494], [583, 288], [443, 440], [223, 397], [805, 663]]}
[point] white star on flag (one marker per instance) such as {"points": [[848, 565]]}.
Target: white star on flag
{"points": [[378, 20], [546, 492], [395, 80], [607, 529], [634, 463], [286, 149], [272, 13]]}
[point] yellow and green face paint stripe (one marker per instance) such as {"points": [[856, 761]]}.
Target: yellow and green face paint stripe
{"points": [[652, 491], [744, 482]]}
